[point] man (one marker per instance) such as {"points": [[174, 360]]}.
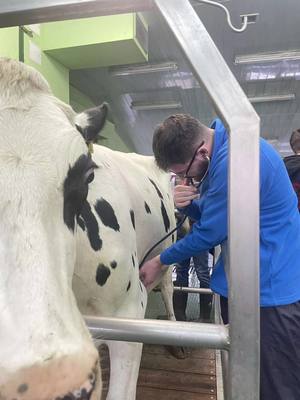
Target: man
{"points": [[292, 163], [183, 145]]}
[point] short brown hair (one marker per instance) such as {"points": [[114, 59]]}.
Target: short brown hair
{"points": [[175, 140], [295, 141]]}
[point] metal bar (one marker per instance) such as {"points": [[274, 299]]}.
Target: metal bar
{"points": [[159, 332], [20, 12], [225, 371], [188, 290], [192, 290], [243, 232]]}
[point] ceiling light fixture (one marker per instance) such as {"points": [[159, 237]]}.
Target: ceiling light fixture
{"points": [[267, 57], [145, 106], [268, 99], [137, 69]]}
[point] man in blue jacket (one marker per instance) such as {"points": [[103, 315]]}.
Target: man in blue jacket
{"points": [[183, 145]]}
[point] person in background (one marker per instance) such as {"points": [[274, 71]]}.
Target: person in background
{"points": [[200, 264], [292, 163]]}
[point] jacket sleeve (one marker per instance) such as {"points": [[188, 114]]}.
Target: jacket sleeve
{"points": [[193, 210], [211, 228]]}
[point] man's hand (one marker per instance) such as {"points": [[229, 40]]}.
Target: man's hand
{"points": [[151, 271], [183, 195]]}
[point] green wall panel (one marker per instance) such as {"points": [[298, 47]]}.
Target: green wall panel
{"points": [[86, 31], [56, 74], [95, 42], [79, 101], [9, 42]]}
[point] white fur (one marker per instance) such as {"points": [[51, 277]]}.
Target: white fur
{"points": [[42, 335], [123, 180], [82, 120], [39, 317]]}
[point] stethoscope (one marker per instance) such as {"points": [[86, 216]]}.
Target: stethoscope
{"points": [[204, 175], [181, 222]]}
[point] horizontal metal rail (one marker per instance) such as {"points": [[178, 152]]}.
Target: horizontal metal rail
{"points": [[188, 290], [159, 332]]}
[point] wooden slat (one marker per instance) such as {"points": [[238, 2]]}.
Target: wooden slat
{"points": [[144, 393], [163, 377], [192, 352], [195, 383], [187, 365]]}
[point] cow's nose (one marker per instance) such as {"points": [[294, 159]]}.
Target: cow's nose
{"points": [[85, 392], [71, 377]]}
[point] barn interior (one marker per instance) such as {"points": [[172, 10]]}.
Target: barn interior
{"points": [[132, 61]]}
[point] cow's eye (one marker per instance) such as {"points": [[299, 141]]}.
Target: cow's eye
{"points": [[76, 188], [90, 175]]}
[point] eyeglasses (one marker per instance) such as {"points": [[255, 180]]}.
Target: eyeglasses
{"points": [[185, 175]]}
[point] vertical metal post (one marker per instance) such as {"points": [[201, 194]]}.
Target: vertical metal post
{"points": [[243, 205]]}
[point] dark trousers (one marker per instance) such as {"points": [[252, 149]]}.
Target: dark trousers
{"points": [[201, 268], [279, 350]]}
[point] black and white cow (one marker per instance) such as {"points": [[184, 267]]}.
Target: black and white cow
{"points": [[128, 209], [46, 352]]}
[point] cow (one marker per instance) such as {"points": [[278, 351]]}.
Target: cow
{"points": [[49, 222], [128, 209], [46, 351]]}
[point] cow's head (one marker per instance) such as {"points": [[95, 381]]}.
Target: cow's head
{"points": [[46, 352]]}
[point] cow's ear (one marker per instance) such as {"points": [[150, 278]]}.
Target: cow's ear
{"points": [[90, 122]]}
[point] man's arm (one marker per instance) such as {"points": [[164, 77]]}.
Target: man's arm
{"points": [[211, 229], [206, 233]]}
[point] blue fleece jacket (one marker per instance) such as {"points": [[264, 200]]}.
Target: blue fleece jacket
{"points": [[279, 224]]}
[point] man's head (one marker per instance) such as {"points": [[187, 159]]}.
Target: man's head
{"points": [[181, 144], [295, 141]]}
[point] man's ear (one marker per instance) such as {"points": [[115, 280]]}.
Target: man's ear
{"points": [[90, 122], [202, 152]]}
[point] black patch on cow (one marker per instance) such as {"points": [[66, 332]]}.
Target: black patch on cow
{"points": [[173, 238], [92, 226], [102, 274], [23, 388], [133, 261], [128, 287], [107, 214], [142, 304], [156, 188], [81, 223], [132, 218], [165, 216], [75, 188], [113, 264], [147, 208]]}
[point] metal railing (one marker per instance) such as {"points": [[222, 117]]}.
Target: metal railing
{"points": [[243, 222], [154, 331]]}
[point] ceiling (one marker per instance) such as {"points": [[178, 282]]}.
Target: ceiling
{"points": [[277, 29]]}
